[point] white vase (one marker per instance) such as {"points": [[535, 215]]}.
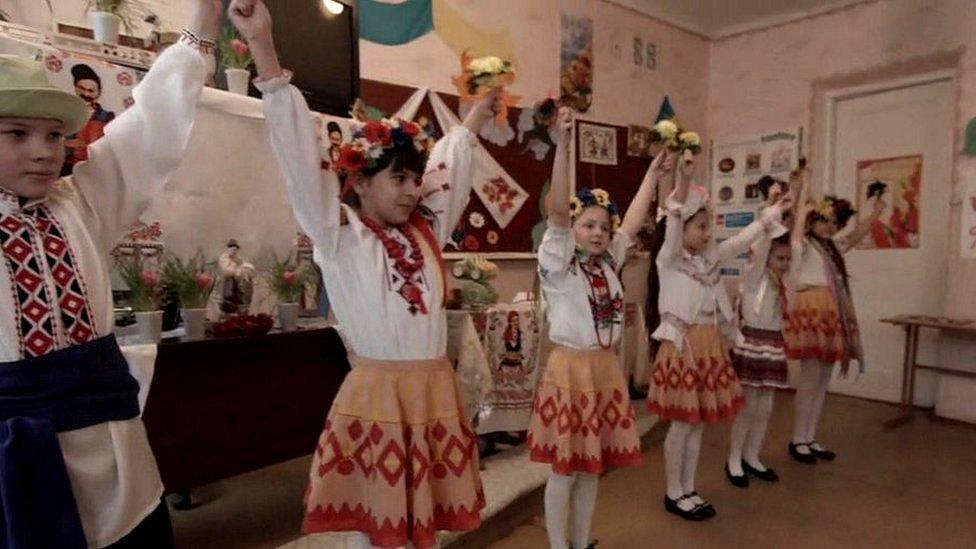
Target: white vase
{"points": [[195, 322], [105, 26], [288, 316], [237, 80], [150, 325]]}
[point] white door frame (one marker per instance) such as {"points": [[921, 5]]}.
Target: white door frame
{"points": [[833, 97]]}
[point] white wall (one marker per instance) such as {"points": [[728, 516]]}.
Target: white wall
{"points": [[885, 283], [778, 77]]}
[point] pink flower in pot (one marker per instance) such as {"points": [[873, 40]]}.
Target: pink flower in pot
{"points": [[151, 278], [240, 47], [204, 281], [289, 278]]}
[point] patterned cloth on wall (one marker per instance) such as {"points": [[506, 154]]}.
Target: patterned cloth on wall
{"points": [[511, 341]]}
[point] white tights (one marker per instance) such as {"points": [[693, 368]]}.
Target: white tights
{"points": [[574, 494], [749, 430], [681, 449], [811, 389]]}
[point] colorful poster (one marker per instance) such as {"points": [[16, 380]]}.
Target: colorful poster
{"points": [[898, 226], [967, 239], [736, 167], [597, 144], [576, 62], [106, 88]]}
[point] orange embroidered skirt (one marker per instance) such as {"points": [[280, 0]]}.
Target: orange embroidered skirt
{"points": [[814, 329], [398, 459], [698, 384], [582, 419]]}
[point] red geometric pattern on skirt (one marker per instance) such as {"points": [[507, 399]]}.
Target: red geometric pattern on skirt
{"points": [[815, 334], [19, 236], [675, 377], [423, 456], [592, 419], [422, 535]]}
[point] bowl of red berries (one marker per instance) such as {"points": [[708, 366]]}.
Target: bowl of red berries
{"points": [[243, 325]]}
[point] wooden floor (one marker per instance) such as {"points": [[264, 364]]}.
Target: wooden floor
{"points": [[911, 487]]}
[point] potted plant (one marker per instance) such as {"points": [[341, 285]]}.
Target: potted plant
{"points": [[106, 16], [235, 56], [192, 281], [288, 282], [145, 296], [476, 272]]}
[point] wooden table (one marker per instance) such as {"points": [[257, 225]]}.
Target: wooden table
{"points": [[913, 325], [221, 407]]}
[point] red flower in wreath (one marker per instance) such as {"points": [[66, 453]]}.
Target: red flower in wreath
{"points": [[53, 64], [124, 79], [377, 132], [351, 160], [411, 129]]}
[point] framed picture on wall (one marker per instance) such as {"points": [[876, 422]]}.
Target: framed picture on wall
{"points": [[597, 144], [638, 141], [900, 179]]}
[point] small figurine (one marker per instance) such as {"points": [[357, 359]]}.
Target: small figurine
{"points": [[236, 280]]}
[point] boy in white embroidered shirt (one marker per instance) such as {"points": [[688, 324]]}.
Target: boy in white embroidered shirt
{"points": [[85, 449], [580, 258], [381, 265]]}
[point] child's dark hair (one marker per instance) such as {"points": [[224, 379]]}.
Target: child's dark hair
{"points": [[766, 182], [781, 240], [400, 157], [841, 209], [333, 127], [651, 312]]}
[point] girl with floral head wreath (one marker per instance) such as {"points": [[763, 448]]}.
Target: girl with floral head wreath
{"points": [[693, 381], [580, 259], [821, 328], [381, 264]]}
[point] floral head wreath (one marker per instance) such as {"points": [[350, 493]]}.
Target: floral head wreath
{"points": [[834, 209], [587, 197], [371, 139]]}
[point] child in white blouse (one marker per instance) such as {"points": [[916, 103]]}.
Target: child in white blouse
{"points": [[822, 324], [582, 421], [759, 355], [693, 381], [397, 460]]}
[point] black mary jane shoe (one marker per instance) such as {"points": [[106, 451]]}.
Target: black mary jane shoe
{"points": [[768, 475], [593, 544], [706, 508], [802, 458], [694, 514], [737, 481], [824, 454]]}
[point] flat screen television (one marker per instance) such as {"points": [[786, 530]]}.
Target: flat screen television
{"points": [[321, 48]]}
